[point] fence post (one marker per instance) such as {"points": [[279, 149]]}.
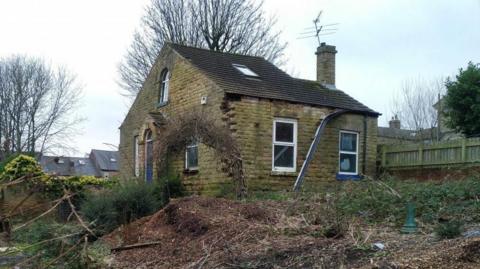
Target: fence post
{"points": [[464, 150], [420, 155]]}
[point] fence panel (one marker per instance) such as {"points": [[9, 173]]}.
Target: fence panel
{"points": [[460, 151]]}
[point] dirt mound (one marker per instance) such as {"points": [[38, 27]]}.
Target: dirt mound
{"points": [[200, 232], [190, 229]]}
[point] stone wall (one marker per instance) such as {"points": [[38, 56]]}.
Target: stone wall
{"points": [[187, 86], [252, 124]]}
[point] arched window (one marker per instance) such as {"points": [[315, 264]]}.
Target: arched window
{"points": [[148, 157], [164, 83]]}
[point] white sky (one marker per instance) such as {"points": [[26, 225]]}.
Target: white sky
{"points": [[380, 43]]}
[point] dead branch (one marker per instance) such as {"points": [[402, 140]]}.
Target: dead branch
{"points": [[80, 220], [138, 245], [39, 216]]}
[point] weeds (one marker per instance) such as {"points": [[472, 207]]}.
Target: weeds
{"points": [[448, 230]]}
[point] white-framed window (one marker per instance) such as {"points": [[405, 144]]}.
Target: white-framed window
{"points": [[164, 85], [136, 157], [348, 153], [284, 146], [191, 156]]}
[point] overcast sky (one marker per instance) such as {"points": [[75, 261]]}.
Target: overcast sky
{"points": [[380, 44]]}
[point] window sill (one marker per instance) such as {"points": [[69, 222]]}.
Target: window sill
{"points": [[344, 177], [193, 171], [162, 104], [283, 173]]}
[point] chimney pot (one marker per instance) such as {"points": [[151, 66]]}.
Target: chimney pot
{"points": [[394, 123]]}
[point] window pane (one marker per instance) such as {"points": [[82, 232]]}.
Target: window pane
{"points": [[348, 142], [283, 156], [348, 163], [192, 157], [284, 132]]}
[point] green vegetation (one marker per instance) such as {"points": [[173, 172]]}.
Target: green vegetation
{"points": [[462, 106], [449, 229], [27, 168], [384, 201], [45, 240], [377, 202], [126, 202]]}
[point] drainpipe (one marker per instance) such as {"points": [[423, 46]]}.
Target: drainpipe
{"points": [[365, 127], [314, 145]]}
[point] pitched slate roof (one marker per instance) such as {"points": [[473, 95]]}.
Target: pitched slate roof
{"points": [[68, 166], [272, 82], [106, 160]]}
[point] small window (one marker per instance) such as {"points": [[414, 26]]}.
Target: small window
{"points": [[136, 157], [348, 150], [164, 85], [81, 162], [191, 157], [245, 70], [113, 160], [284, 148]]}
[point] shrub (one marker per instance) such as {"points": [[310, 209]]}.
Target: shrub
{"points": [[122, 204], [171, 187], [19, 166], [450, 229]]}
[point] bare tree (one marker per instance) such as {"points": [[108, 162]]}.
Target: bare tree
{"points": [[414, 104], [36, 105], [236, 26]]}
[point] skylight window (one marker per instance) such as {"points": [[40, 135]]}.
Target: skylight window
{"points": [[245, 70], [113, 160]]}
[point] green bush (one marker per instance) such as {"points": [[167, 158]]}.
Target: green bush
{"points": [[171, 187], [121, 204], [448, 230]]}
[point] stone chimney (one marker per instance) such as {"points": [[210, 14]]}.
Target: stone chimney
{"points": [[394, 123], [326, 64]]}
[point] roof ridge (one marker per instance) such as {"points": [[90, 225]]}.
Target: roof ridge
{"points": [[214, 51]]}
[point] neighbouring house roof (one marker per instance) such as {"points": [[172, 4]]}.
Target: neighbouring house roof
{"points": [[105, 160], [99, 161], [397, 133], [271, 82], [68, 166], [428, 134]]}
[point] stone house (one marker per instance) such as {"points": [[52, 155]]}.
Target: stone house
{"points": [[272, 116]]}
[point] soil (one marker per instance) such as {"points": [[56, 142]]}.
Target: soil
{"points": [[201, 232]]}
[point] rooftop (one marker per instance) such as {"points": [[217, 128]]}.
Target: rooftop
{"points": [[268, 82]]}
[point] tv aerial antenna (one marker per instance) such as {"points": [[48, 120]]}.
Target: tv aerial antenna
{"points": [[319, 29]]}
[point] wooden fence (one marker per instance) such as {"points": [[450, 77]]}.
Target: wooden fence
{"points": [[455, 152]]}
